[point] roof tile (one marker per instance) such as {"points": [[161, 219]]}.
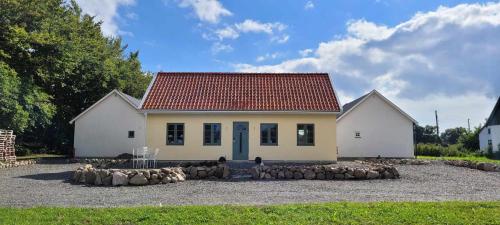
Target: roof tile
{"points": [[242, 92]]}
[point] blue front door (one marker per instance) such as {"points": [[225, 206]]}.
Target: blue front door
{"points": [[240, 140]]}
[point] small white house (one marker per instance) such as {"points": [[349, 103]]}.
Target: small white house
{"points": [[110, 127], [373, 126], [489, 136]]}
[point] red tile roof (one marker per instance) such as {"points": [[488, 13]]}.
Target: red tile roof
{"points": [[241, 92]]}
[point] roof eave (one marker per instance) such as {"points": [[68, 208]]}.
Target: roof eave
{"points": [[164, 111]]}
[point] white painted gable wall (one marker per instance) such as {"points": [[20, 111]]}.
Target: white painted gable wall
{"points": [[103, 130], [384, 131], [494, 136]]}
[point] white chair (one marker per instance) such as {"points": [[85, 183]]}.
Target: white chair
{"points": [[152, 157], [140, 157]]}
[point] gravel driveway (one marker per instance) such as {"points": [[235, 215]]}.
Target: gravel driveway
{"points": [[47, 185]]}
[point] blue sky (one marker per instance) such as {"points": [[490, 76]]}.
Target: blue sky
{"points": [[423, 55]]}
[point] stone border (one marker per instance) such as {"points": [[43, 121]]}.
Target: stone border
{"points": [[323, 172], [489, 167], [396, 161], [18, 163], [120, 177]]}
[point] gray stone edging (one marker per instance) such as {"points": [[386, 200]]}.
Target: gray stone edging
{"points": [[489, 167], [121, 177], [324, 172]]}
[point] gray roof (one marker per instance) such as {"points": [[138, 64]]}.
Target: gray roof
{"points": [[133, 100], [349, 105], [494, 118]]}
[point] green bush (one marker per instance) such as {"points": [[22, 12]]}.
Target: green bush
{"points": [[22, 150], [440, 150]]}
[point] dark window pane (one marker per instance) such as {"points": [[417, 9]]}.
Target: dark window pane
{"points": [[211, 133], [269, 134], [305, 134], [175, 134], [216, 133]]}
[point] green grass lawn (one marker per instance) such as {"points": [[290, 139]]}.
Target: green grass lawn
{"points": [[470, 158], [40, 156], [326, 213]]}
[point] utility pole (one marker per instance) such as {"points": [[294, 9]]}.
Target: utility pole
{"points": [[437, 124], [468, 123]]}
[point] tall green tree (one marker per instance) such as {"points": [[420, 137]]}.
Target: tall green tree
{"points": [[470, 140], [54, 63], [425, 134], [451, 135]]}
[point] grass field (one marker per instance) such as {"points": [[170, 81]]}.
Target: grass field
{"points": [[326, 213], [470, 158]]}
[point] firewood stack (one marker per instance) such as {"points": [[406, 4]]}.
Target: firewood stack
{"points": [[7, 150]]}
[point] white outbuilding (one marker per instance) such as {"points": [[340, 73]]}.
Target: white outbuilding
{"points": [[489, 136], [111, 126], [373, 126]]}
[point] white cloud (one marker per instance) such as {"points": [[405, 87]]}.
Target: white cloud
{"points": [[447, 59], [107, 12], [253, 26], [280, 39], [227, 33], [309, 5], [206, 10], [267, 56], [218, 47], [305, 52], [274, 30]]}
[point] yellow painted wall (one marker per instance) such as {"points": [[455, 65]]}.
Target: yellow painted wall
{"points": [[287, 149]]}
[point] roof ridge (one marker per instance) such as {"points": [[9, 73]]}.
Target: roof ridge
{"points": [[240, 73]]}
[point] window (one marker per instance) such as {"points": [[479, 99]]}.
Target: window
{"points": [[175, 134], [489, 131], [268, 134], [211, 133], [305, 134], [490, 142], [357, 134], [131, 134]]}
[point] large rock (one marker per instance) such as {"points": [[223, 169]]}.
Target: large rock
{"points": [[288, 174], [298, 175], [339, 176], [119, 179], [372, 174], [281, 175], [98, 179], [77, 175], [107, 181], [254, 171], [138, 179], [309, 174], [486, 166], [90, 176], [202, 173], [226, 172], [193, 172], [359, 174]]}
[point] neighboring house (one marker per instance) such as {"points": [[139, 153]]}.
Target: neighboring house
{"points": [[203, 116], [489, 136], [373, 126], [111, 126]]}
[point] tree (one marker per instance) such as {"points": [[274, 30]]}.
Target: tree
{"points": [[470, 140], [425, 134], [451, 135], [54, 63]]}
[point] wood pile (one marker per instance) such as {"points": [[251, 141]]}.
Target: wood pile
{"points": [[7, 150]]}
